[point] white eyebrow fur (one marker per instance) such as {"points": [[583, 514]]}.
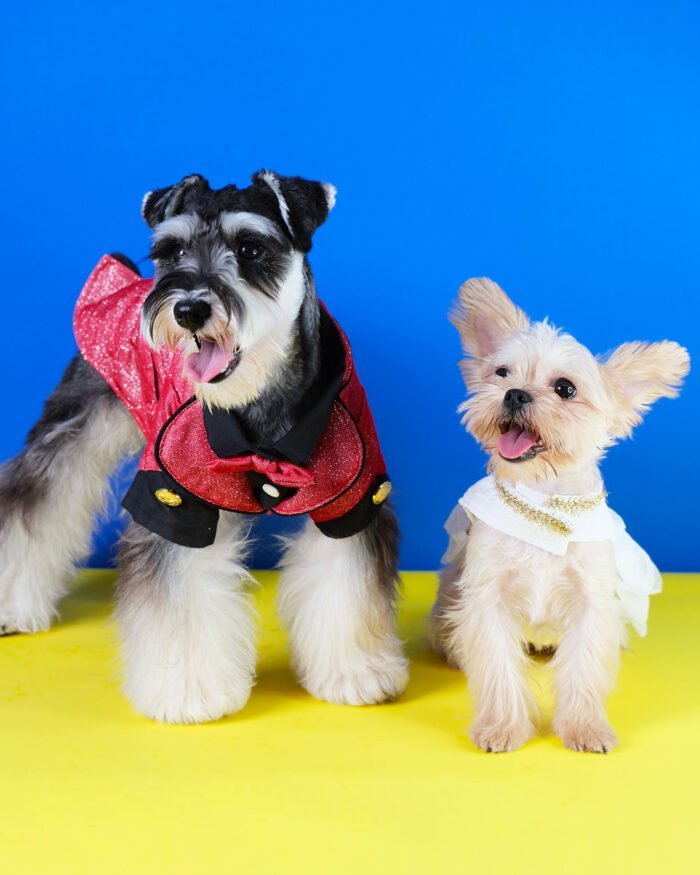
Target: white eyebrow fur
{"points": [[182, 227], [233, 223]]}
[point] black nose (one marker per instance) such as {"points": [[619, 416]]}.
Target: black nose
{"points": [[516, 399], [191, 314]]}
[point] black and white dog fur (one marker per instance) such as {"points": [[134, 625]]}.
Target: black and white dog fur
{"points": [[185, 618]]}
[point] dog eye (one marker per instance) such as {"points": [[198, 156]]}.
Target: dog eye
{"points": [[502, 372], [565, 389], [250, 251], [180, 252]]}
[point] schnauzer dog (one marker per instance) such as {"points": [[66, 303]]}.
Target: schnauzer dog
{"points": [[537, 560], [238, 388]]}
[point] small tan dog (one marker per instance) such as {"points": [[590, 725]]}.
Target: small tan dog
{"points": [[536, 557]]}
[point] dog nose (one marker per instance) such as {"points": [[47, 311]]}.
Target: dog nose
{"points": [[191, 314], [516, 399]]}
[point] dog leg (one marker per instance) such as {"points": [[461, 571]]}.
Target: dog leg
{"points": [[51, 492], [336, 598], [440, 624], [586, 665], [488, 640], [188, 634]]}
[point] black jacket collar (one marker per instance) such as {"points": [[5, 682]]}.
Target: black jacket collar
{"points": [[226, 433]]}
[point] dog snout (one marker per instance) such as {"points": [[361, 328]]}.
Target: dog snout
{"points": [[516, 399], [192, 315]]}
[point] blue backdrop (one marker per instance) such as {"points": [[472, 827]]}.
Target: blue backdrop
{"points": [[552, 147]]}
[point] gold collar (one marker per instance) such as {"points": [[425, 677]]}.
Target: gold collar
{"points": [[571, 505]]}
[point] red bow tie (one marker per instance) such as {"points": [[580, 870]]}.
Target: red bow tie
{"points": [[279, 473]]}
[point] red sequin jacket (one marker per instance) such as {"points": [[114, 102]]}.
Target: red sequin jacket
{"points": [[197, 462]]}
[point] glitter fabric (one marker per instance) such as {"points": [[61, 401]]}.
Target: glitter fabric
{"points": [[342, 469], [107, 326], [333, 468]]}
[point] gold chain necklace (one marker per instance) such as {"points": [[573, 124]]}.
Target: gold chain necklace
{"points": [[575, 504], [572, 505]]}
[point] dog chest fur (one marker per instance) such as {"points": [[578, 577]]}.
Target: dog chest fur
{"points": [[542, 590]]}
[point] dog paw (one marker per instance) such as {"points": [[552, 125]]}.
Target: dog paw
{"points": [[365, 684], [165, 695], [15, 625], [25, 608], [189, 708], [595, 737], [501, 737]]}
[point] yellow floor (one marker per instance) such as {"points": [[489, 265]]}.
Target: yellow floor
{"points": [[294, 785]]}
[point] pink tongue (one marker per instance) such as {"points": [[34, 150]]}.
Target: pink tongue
{"points": [[206, 363], [515, 442]]}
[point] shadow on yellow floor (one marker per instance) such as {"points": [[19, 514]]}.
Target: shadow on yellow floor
{"points": [[294, 785]]}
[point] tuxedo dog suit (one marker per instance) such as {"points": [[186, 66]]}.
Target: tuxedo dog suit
{"points": [[199, 461]]}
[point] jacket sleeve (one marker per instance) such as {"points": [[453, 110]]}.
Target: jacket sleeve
{"points": [[182, 519], [360, 515], [353, 510]]}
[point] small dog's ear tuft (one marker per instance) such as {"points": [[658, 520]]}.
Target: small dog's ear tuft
{"points": [[484, 316], [639, 374], [163, 203], [304, 205]]}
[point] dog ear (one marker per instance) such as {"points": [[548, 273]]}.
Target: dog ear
{"points": [[304, 205], [163, 203], [638, 374], [484, 316]]}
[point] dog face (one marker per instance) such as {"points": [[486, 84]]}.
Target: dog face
{"points": [[230, 276], [540, 403]]}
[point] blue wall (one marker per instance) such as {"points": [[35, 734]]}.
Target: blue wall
{"points": [[553, 147]]}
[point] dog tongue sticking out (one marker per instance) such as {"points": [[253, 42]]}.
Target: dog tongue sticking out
{"points": [[515, 442], [209, 360]]}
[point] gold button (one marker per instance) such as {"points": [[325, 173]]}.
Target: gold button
{"points": [[382, 493], [167, 497]]}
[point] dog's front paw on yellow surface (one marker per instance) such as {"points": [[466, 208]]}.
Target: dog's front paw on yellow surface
{"points": [[501, 737], [187, 691], [197, 706], [596, 737], [364, 684], [14, 624]]}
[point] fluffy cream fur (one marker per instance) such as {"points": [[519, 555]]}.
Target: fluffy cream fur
{"points": [[502, 594]]}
